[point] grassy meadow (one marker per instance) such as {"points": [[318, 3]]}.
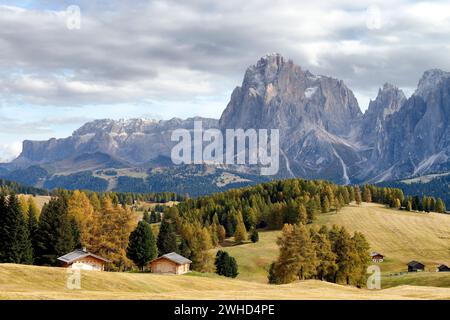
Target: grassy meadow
{"points": [[399, 235], [33, 282]]}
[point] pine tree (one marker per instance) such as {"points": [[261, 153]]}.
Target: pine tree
{"points": [[153, 217], [15, 246], [146, 217], [254, 235], [226, 265], [55, 235], [167, 241], [33, 225], [142, 245]]}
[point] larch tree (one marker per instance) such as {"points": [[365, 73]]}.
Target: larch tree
{"points": [[357, 192], [326, 266], [440, 206], [367, 195], [33, 224], [240, 234], [81, 210]]}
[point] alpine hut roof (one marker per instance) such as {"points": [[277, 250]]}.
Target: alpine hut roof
{"points": [[174, 257], [79, 254]]}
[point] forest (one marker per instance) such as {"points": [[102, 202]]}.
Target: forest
{"points": [[107, 225]]}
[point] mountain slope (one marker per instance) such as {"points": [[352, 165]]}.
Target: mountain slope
{"points": [[312, 113], [323, 134]]}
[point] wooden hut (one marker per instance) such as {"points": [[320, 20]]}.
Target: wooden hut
{"points": [[170, 263]]}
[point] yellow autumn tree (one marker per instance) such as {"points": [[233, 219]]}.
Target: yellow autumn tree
{"points": [[79, 207], [112, 227], [32, 206], [240, 234], [23, 200]]}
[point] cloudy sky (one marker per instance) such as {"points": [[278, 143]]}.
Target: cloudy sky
{"points": [[160, 59]]}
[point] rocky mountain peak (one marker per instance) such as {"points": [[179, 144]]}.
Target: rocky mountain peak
{"points": [[430, 80], [389, 100]]}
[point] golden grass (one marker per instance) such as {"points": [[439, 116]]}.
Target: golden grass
{"points": [[399, 235], [39, 200], [32, 282]]}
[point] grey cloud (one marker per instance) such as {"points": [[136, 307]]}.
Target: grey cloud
{"points": [[183, 49]]}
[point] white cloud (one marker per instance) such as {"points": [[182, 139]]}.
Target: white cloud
{"points": [[9, 151]]}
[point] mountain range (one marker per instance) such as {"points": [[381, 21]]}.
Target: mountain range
{"points": [[323, 135]]}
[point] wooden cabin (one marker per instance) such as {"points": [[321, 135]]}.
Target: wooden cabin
{"points": [[443, 268], [376, 257], [171, 263], [415, 266], [81, 259]]}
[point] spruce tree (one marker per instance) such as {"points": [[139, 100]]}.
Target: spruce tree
{"points": [[254, 235], [33, 226], [142, 245], [15, 244], [167, 240], [226, 265], [55, 235]]}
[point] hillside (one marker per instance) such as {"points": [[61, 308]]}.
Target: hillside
{"points": [[401, 236], [31, 282]]}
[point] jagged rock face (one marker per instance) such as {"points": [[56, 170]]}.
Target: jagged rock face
{"points": [[416, 140], [313, 114], [278, 94], [134, 141], [323, 133]]}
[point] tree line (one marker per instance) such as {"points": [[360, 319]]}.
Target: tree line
{"points": [[332, 255]]}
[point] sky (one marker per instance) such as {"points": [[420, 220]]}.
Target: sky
{"points": [[63, 63]]}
